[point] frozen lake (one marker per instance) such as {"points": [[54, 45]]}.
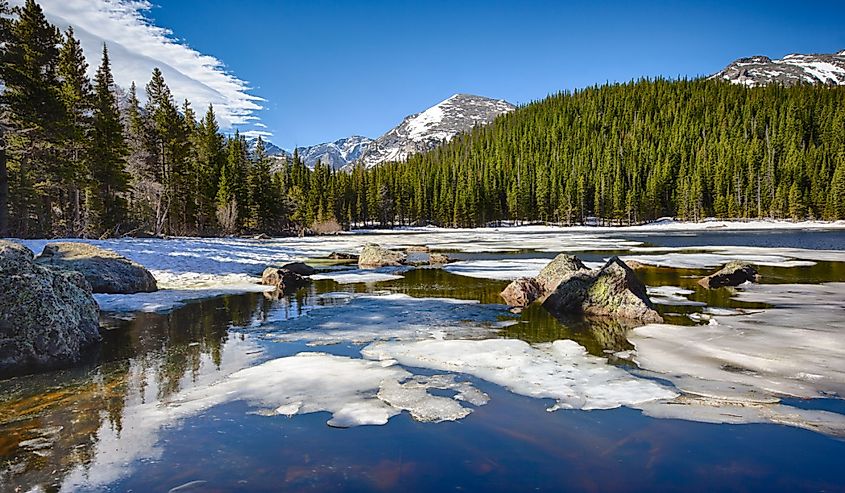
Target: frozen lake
{"points": [[421, 379]]}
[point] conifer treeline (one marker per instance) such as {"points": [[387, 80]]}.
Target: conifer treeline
{"points": [[633, 152], [75, 162]]}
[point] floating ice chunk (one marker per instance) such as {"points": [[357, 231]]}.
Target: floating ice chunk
{"points": [[370, 318], [681, 260], [165, 300], [561, 370], [356, 392], [758, 356], [503, 269], [673, 296], [357, 276]]}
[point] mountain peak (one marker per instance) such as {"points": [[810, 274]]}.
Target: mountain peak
{"points": [[792, 69]]}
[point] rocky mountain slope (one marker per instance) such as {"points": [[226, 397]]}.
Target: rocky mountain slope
{"points": [[417, 133], [792, 69], [440, 123]]}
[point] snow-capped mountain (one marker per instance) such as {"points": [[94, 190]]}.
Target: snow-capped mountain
{"points": [[417, 133], [792, 69], [270, 148], [337, 154], [440, 123]]}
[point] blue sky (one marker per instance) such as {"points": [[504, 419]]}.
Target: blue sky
{"points": [[329, 69]]}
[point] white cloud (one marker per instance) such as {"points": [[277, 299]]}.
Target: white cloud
{"points": [[136, 46], [254, 134]]}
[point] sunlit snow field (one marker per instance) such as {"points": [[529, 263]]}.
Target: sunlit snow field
{"points": [[421, 379]]}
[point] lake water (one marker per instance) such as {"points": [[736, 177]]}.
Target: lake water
{"points": [[210, 395]]}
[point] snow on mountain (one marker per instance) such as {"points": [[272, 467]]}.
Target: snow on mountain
{"points": [[336, 154], [270, 149], [440, 123], [828, 69]]}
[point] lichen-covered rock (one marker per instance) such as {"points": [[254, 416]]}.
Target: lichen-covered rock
{"points": [[373, 256], [732, 274], [557, 270], [300, 268], [522, 292], [614, 290], [285, 280], [438, 259], [105, 270], [46, 315]]}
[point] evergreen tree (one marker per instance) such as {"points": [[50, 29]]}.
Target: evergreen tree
{"points": [[5, 37], [109, 179]]}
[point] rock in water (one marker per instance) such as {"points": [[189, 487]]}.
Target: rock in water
{"points": [[105, 270], [557, 270], [615, 291], [732, 274], [300, 268], [374, 256], [285, 280], [46, 315], [438, 259], [522, 292]]}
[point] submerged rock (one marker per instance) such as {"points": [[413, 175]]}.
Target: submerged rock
{"points": [[46, 315], [557, 270], [614, 290], [342, 256], [732, 274], [105, 270], [300, 268], [522, 292], [374, 256], [285, 280], [438, 259]]}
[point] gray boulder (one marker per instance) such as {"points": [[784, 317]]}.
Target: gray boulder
{"points": [[522, 292], [285, 281], [46, 315], [300, 268], [557, 270], [105, 270], [614, 290], [373, 256], [732, 274]]}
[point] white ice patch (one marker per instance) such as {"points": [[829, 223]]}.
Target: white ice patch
{"points": [[502, 270], [795, 349], [672, 296], [356, 392], [357, 276], [165, 300], [370, 318], [681, 260], [562, 370]]}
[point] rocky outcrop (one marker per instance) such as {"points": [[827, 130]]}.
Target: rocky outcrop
{"points": [[526, 290], [557, 270], [105, 270], [342, 256], [373, 256], [614, 290], [732, 274], [300, 268], [285, 281], [438, 259], [46, 315], [522, 292]]}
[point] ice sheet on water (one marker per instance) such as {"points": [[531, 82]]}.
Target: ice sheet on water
{"points": [[796, 348], [672, 296], [683, 260], [359, 276], [562, 370], [369, 318], [502, 270]]}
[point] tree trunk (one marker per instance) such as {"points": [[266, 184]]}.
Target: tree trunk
{"points": [[4, 191]]}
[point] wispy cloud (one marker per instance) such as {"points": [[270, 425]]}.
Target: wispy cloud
{"points": [[254, 134], [136, 46]]}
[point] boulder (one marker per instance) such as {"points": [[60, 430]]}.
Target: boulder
{"points": [[418, 249], [105, 270], [635, 264], [373, 256], [732, 274], [286, 281], [522, 292], [300, 268], [557, 270], [614, 290], [342, 256], [438, 259], [46, 315]]}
